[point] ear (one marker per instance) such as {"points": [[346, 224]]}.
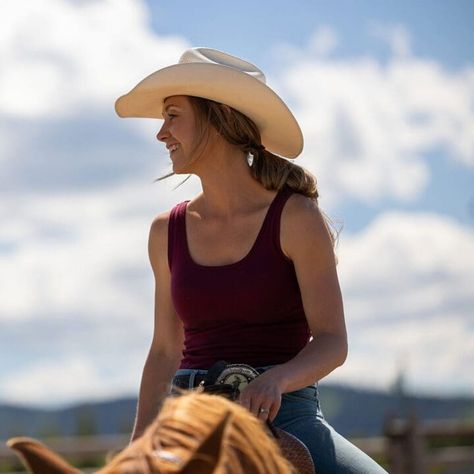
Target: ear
{"points": [[39, 459], [206, 457]]}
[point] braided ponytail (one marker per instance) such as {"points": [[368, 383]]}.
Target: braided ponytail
{"points": [[273, 172]]}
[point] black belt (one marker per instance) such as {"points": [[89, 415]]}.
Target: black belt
{"points": [[182, 381]]}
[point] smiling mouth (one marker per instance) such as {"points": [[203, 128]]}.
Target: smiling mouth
{"points": [[173, 148]]}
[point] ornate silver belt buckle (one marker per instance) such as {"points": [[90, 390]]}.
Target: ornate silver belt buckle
{"points": [[237, 375]]}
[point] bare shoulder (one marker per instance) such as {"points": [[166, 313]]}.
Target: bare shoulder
{"points": [[302, 218], [159, 225], [158, 239], [304, 229]]}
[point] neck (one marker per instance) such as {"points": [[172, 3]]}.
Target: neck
{"points": [[227, 183]]}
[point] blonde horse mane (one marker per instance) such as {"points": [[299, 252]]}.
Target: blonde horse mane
{"points": [[184, 424]]}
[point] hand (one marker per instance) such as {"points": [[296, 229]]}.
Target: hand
{"points": [[262, 396]]}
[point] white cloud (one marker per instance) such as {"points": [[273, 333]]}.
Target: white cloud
{"points": [[71, 379], [62, 58], [63, 66], [419, 263], [407, 283], [435, 355], [324, 41], [369, 127], [70, 252], [397, 36]]}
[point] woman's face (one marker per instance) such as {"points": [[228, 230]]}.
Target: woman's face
{"points": [[178, 131]]}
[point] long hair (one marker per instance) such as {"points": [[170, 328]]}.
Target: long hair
{"points": [[270, 170]]}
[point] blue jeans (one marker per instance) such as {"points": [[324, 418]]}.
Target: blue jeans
{"points": [[300, 414]]}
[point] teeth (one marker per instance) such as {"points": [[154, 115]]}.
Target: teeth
{"points": [[173, 147]]}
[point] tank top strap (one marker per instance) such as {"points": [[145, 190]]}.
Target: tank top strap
{"points": [[177, 232], [271, 231]]}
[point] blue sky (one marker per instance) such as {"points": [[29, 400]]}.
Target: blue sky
{"points": [[442, 30], [384, 92]]}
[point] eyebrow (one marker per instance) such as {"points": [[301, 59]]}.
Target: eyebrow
{"points": [[168, 106]]}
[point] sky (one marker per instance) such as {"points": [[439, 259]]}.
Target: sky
{"points": [[384, 94]]}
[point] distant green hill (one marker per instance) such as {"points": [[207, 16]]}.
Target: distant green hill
{"points": [[361, 412], [352, 412]]}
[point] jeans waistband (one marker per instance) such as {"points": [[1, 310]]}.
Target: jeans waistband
{"points": [[204, 371]]}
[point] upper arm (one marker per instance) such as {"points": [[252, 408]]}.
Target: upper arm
{"points": [[168, 334], [306, 240]]}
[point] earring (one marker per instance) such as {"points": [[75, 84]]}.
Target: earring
{"points": [[250, 159]]}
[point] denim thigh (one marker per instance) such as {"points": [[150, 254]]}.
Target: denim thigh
{"points": [[300, 414]]}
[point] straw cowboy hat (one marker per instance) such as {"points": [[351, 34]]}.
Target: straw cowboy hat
{"points": [[215, 75]]}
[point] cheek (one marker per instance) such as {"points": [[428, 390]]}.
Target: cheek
{"points": [[198, 140]]}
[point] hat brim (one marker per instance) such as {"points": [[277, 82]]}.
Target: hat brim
{"points": [[280, 132]]}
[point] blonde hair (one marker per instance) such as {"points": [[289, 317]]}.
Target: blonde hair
{"points": [[270, 170], [184, 423]]}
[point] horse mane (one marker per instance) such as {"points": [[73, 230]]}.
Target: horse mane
{"points": [[177, 435]]}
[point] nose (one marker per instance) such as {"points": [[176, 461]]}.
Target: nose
{"points": [[162, 133]]}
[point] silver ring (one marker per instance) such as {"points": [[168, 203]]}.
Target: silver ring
{"points": [[263, 410]]}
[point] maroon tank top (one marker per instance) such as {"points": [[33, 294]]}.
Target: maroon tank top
{"points": [[247, 312]]}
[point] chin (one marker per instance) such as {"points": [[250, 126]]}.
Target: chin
{"points": [[177, 169], [181, 166]]}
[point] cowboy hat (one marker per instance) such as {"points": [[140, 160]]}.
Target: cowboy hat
{"points": [[215, 75]]}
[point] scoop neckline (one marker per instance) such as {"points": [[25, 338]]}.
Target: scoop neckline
{"points": [[250, 252]]}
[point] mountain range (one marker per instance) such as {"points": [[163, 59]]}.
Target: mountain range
{"points": [[352, 412]]}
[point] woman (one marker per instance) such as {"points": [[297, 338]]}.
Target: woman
{"points": [[245, 272]]}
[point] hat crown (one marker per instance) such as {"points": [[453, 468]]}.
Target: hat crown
{"points": [[214, 56]]}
